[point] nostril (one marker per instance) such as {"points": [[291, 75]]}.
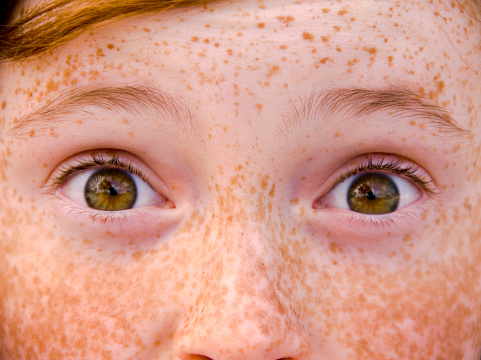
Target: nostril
{"points": [[199, 357]]}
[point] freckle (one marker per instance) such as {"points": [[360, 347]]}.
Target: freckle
{"points": [[295, 201], [307, 36], [325, 38], [407, 238], [265, 182], [224, 128], [261, 25], [4, 103], [371, 51], [100, 52], [283, 47], [45, 165], [146, 29], [412, 123], [303, 178], [273, 190], [131, 135], [326, 10], [272, 71], [137, 255], [259, 108], [194, 39], [336, 135], [125, 121], [303, 211], [310, 159], [51, 85], [110, 46]]}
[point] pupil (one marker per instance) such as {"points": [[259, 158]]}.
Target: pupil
{"points": [[370, 195], [112, 191]]}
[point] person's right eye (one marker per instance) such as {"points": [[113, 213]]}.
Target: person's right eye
{"points": [[105, 182], [110, 189]]}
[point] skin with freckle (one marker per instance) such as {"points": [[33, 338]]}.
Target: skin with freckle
{"points": [[239, 254]]}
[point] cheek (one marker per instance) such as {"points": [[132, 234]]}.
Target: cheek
{"points": [[427, 307], [51, 293]]}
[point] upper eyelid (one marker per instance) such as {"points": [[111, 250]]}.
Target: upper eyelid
{"points": [[77, 163], [391, 164]]}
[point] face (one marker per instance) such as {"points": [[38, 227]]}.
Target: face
{"points": [[250, 180]]}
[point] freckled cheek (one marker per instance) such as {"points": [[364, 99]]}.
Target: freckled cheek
{"points": [[47, 283], [114, 300], [428, 306]]}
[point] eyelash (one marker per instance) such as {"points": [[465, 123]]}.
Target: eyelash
{"points": [[395, 165], [97, 160], [392, 165]]}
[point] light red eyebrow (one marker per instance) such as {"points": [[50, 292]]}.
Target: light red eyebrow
{"points": [[351, 103], [150, 103]]}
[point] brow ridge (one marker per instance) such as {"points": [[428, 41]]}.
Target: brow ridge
{"points": [[351, 103], [146, 102]]}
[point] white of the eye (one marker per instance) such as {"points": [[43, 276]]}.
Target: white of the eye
{"points": [[408, 192], [74, 189]]}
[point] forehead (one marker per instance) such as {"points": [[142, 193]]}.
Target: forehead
{"points": [[275, 47]]}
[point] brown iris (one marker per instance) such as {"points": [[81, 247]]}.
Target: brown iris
{"points": [[373, 193], [110, 190]]}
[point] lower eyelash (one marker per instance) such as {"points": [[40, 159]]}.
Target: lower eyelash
{"points": [[102, 217], [406, 216]]}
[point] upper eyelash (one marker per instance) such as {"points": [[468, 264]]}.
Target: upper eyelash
{"points": [[396, 165], [96, 161]]}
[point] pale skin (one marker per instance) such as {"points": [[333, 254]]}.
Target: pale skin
{"points": [[234, 256]]}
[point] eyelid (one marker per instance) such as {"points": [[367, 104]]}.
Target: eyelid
{"points": [[106, 158], [389, 164]]}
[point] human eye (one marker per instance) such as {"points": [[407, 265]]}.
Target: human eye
{"points": [[376, 188], [104, 185]]}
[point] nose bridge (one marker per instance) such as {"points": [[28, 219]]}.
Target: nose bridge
{"points": [[240, 312]]}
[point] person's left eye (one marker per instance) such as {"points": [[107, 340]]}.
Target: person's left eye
{"points": [[373, 193]]}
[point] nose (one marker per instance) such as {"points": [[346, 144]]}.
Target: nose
{"points": [[243, 309]]}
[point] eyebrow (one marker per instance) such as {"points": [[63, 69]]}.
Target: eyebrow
{"points": [[146, 102], [352, 103], [329, 105]]}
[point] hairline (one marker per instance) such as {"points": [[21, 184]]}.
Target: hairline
{"points": [[57, 22]]}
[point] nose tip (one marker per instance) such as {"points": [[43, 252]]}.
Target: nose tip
{"points": [[246, 331], [241, 316]]}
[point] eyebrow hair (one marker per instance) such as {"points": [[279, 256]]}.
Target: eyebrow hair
{"points": [[141, 101], [351, 103]]}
